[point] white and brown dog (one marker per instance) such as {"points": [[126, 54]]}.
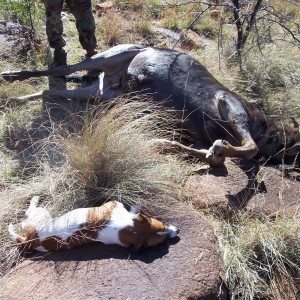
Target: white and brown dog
{"points": [[110, 223]]}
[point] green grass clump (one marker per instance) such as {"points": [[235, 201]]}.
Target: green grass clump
{"points": [[273, 79], [207, 27], [143, 27]]}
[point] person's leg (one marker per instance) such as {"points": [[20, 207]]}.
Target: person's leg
{"points": [[54, 31], [54, 27], [85, 24]]}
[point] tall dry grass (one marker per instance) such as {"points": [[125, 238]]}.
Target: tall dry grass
{"points": [[113, 154], [261, 256], [109, 154]]}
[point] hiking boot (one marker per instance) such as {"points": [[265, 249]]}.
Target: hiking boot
{"points": [[90, 53], [91, 75], [59, 57]]}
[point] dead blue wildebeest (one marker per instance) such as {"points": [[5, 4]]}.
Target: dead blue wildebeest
{"points": [[219, 123]]}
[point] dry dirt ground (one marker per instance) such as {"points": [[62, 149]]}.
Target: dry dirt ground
{"points": [[244, 184], [15, 40], [188, 267]]}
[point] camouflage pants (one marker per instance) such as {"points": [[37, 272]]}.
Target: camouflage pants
{"points": [[85, 23]]}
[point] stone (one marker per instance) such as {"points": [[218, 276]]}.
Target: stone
{"points": [[187, 267], [192, 40], [243, 184], [104, 6]]}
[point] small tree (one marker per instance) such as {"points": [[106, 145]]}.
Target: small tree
{"points": [[252, 16], [244, 22], [259, 16], [27, 12]]}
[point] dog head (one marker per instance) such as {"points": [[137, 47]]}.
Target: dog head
{"points": [[146, 232]]}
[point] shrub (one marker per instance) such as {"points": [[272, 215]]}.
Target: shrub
{"points": [[28, 12]]}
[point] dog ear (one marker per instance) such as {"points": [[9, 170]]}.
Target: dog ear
{"points": [[135, 208], [140, 218]]}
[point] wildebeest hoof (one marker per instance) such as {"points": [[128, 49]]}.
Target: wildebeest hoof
{"points": [[7, 75], [216, 161], [215, 149], [15, 75]]}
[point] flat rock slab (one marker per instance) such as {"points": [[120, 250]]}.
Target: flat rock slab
{"points": [[187, 267], [244, 184]]}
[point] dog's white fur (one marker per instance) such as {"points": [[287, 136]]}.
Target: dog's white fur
{"points": [[120, 219]]}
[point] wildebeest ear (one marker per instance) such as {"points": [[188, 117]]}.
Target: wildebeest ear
{"points": [[295, 123], [140, 218], [293, 150]]}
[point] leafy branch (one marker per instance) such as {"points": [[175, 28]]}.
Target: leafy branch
{"points": [[251, 16]]}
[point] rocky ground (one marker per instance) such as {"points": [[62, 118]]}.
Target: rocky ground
{"points": [[188, 267]]}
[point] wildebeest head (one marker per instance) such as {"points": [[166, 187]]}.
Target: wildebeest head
{"points": [[293, 153], [291, 146]]}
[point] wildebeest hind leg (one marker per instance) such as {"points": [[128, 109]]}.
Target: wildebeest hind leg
{"points": [[86, 93], [109, 61], [233, 112]]}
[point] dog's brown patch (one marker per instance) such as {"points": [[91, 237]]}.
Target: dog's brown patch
{"points": [[100, 215], [97, 219], [142, 233]]}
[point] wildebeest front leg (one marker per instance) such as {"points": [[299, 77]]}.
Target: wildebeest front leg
{"points": [[232, 111], [175, 147], [110, 62]]}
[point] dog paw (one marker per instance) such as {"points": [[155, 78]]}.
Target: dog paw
{"points": [[35, 200], [11, 229], [135, 208]]}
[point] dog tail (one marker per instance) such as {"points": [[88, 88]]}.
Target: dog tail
{"points": [[14, 236]]}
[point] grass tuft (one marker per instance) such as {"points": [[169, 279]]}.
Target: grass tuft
{"points": [[113, 154], [261, 256], [110, 154]]}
